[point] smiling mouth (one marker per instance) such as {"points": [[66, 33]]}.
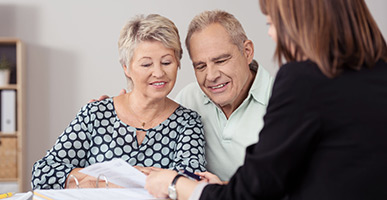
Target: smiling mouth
{"points": [[218, 86], [158, 83]]}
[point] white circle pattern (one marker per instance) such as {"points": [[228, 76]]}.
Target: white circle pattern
{"points": [[96, 135]]}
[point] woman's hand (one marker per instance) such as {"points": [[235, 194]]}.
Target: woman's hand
{"points": [[146, 170], [86, 181], [103, 97], [210, 178], [157, 182]]}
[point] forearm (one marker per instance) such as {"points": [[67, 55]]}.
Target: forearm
{"points": [[188, 189], [72, 182]]}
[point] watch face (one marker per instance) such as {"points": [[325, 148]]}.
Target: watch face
{"points": [[172, 192]]}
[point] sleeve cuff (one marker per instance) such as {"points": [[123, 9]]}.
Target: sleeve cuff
{"points": [[198, 191]]}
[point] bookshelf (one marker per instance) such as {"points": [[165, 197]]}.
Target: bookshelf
{"points": [[12, 108]]}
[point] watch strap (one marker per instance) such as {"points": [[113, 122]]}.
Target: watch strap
{"points": [[172, 193], [175, 179]]}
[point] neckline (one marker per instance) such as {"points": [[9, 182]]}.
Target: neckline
{"points": [[111, 101]]}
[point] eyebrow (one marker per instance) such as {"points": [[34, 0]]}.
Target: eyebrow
{"points": [[148, 57], [223, 56], [167, 55]]}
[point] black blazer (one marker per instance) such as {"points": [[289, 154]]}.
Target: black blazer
{"points": [[322, 139]]}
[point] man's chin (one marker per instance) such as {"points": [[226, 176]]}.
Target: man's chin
{"points": [[219, 101]]}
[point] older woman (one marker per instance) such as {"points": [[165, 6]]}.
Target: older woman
{"points": [[143, 127], [324, 135]]}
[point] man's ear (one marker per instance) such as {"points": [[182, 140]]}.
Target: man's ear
{"points": [[248, 50]]}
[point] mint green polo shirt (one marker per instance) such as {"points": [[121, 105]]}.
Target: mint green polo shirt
{"points": [[227, 139]]}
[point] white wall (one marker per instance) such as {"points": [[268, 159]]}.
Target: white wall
{"points": [[71, 52]]}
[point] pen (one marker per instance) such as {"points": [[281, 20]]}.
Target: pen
{"points": [[5, 195], [191, 175]]}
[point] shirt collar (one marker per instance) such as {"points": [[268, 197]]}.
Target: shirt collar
{"points": [[261, 88], [206, 99]]}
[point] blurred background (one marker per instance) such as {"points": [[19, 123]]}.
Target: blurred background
{"points": [[71, 53]]}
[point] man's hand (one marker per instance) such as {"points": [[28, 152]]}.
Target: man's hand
{"points": [[103, 97], [210, 178]]}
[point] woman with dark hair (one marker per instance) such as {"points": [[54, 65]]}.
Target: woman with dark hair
{"points": [[325, 134]]}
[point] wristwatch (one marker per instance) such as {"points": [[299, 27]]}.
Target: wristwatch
{"points": [[172, 188]]}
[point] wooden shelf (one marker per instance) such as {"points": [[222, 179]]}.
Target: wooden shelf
{"points": [[8, 179], [8, 87], [8, 134], [12, 144]]}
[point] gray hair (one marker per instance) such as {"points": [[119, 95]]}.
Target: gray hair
{"points": [[227, 20], [147, 28]]}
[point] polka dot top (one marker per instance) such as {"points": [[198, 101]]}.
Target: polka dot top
{"points": [[97, 134]]}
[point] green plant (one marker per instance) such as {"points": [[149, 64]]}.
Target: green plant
{"points": [[4, 63]]}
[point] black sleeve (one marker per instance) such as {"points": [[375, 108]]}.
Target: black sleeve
{"points": [[289, 132]]}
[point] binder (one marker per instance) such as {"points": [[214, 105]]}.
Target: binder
{"points": [[93, 193], [8, 111]]}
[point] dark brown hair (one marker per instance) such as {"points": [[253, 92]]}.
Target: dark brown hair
{"points": [[335, 34]]}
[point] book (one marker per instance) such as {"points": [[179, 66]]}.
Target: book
{"points": [[8, 111]]}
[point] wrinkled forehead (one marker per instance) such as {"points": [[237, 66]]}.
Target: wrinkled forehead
{"points": [[208, 48], [214, 34]]}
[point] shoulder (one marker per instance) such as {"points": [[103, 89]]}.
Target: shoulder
{"points": [[186, 119], [303, 68], [297, 83], [98, 106], [186, 113], [299, 74]]}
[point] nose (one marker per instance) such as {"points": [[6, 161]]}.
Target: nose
{"points": [[158, 71], [213, 73]]}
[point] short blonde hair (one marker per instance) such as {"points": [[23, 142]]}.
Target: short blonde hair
{"points": [[141, 28], [227, 20]]}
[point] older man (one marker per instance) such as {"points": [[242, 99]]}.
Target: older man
{"points": [[230, 95]]}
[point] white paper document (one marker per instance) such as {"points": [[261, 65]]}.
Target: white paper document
{"points": [[93, 194], [21, 196], [117, 171]]}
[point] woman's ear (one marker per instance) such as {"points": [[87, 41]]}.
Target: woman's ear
{"points": [[248, 50], [126, 71]]}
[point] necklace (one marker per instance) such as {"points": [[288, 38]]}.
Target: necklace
{"points": [[142, 122]]}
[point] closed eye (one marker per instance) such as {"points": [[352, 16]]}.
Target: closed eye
{"points": [[146, 65], [199, 67], [220, 61]]}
